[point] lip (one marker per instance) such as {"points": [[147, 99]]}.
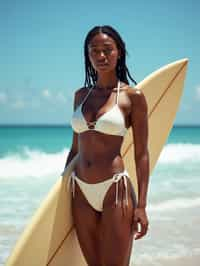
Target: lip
{"points": [[102, 64]]}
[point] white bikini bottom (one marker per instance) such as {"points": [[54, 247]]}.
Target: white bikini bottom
{"points": [[95, 193]]}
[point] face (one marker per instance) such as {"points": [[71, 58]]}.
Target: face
{"points": [[103, 53]]}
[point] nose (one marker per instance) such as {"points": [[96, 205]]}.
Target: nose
{"points": [[102, 54], [101, 57]]}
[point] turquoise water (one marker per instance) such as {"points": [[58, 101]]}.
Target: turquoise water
{"points": [[45, 138], [32, 158], [185, 134]]}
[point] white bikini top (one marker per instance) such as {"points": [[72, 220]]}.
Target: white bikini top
{"points": [[111, 122]]}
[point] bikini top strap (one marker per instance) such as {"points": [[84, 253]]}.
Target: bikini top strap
{"points": [[84, 99], [118, 90]]}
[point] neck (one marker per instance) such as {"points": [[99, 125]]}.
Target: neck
{"points": [[107, 81]]}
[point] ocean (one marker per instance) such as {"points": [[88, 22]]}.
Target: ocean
{"points": [[33, 157]]}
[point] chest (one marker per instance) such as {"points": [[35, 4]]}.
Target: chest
{"points": [[102, 106], [96, 106]]}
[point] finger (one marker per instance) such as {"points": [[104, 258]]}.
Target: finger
{"points": [[135, 225], [142, 232]]}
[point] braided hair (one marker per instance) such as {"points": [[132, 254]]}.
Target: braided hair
{"points": [[121, 68]]}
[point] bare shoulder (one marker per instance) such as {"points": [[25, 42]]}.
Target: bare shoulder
{"points": [[81, 91], [137, 99], [79, 95]]}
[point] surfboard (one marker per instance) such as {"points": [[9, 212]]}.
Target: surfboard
{"points": [[50, 237]]}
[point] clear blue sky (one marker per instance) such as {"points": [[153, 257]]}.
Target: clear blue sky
{"points": [[41, 51]]}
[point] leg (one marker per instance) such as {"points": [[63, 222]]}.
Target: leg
{"points": [[116, 227], [87, 222]]}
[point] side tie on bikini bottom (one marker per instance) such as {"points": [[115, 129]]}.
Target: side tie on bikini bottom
{"points": [[116, 178]]}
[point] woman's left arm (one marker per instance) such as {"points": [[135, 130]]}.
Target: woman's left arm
{"points": [[139, 123]]}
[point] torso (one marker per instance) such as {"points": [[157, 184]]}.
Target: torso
{"points": [[99, 153]]}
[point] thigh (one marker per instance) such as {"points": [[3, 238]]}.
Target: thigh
{"points": [[86, 221], [116, 226]]}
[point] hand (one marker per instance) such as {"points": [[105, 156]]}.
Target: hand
{"points": [[140, 223]]}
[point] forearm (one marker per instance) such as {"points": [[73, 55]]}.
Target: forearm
{"points": [[70, 156], [142, 170]]}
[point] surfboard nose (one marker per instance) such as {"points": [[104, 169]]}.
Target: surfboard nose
{"points": [[176, 64], [182, 61]]}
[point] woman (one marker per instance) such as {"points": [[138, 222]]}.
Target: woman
{"points": [[106, 214]]}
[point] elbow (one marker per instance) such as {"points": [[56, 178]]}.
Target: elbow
{"points": [[142, 157]]}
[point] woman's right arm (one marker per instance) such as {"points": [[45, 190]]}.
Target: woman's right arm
{"points": [[74, 148]]}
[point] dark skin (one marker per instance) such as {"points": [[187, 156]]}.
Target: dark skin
{"points": [[106, 237]]}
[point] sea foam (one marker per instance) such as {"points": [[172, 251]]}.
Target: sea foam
{"points": [[179, 153], [32, 163], [37, 163], [175, 204]]}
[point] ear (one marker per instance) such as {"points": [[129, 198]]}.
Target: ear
{"points": [[119, 54]]}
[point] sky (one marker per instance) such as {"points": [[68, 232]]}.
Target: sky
{"points": [[41, 52]]}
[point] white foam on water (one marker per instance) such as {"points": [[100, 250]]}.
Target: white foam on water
{"points": [[180, 153], [160, 258], [37, 163], [32, 163], [175, 204]]}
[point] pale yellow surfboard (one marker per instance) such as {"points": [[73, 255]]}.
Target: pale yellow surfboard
{"points": [[50, 238]]}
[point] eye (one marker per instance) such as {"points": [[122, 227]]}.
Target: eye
{"points": [[107, 51], [97, 51], [93, 50]]}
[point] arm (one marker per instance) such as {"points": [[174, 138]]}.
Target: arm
{"points": [[139, 121], [74, 148]]}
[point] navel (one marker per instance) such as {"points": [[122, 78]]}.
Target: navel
{"points": [[88, 163]]}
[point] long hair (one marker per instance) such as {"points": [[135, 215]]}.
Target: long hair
{"points": [[121, 68]]}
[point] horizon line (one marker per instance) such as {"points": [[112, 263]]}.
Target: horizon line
{"points": [[68, 125]]}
